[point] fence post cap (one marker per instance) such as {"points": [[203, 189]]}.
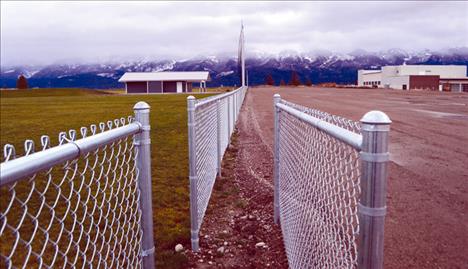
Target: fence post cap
{"points": [[141, 106], [191, 97], [376, 117], [276, 98]]}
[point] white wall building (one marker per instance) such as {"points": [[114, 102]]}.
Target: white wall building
{"points": [[405, 77], [369, 78]]}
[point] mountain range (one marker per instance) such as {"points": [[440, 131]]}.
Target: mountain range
{"points": [[316, 66]]}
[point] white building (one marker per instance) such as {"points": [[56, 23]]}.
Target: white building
{"points": [[406, 77], [164, 82]]}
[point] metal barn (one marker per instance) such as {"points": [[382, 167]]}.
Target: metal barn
{"points": [[164, 82]]}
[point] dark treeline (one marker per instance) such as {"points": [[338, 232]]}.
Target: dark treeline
{"points": [[294, 80]]}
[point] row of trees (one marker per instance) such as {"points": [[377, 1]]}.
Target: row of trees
{"points": [[295, 80]]}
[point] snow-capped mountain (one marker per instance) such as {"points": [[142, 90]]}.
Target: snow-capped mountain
{"points": [[318, 66]]}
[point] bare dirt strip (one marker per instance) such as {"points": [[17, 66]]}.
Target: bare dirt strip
{"points": [[238, 229], [427, 221]]}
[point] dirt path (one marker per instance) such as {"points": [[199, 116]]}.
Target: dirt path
{"points": [[427, 221], [238, 229]]}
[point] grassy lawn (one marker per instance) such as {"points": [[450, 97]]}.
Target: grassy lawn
{"points": [[30, 114], [220, 89]]}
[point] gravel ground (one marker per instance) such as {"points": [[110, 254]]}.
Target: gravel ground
{"points": [[427, 221]]}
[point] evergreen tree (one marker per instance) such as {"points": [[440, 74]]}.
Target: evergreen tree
{"points": [[295, 80], [21, 83], [269, 80]]}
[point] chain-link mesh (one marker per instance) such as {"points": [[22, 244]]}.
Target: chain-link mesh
{"points": [[319, 191], [206, 152], [344, 123], [81, 213], [224, 124], [214, 122]]}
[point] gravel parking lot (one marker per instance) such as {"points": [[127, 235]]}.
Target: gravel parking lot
{"points": [[427, 223]]}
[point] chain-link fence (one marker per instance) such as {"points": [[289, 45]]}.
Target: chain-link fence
{"points": [[330, 175], [211, 122], [83, 203]]}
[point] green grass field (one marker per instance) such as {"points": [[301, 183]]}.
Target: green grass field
{"points": [[30, 114]]}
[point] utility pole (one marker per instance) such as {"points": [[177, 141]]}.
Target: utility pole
{"points": [[242, 54]]}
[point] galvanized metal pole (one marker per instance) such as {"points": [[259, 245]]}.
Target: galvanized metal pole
{"points": [[235, 108], [218, 135], [194, 227], [237, 104], [242, 55], [239, 97], [142, 141], [233, 112], [372, 206], [276, 111], [239, 101], [229, 118]]}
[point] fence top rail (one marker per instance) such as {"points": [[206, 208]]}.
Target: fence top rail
{"points": [[214, 98], [346, 136], [17, 169]]}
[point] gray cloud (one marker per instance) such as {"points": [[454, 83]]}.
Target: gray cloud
{"points": [[47, 32]]}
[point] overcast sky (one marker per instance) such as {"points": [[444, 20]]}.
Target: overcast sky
{"points": [[49, 32]]}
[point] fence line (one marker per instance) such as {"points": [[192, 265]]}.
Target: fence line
{"points": [[83, 203], [330, 184], [211, 122]]}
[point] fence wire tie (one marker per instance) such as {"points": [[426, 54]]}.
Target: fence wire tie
{"points": [[375, 157], [372, 211], [147, 252], [142, 142], [375, 128], [72, 142]]}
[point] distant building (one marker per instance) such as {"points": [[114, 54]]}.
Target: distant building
{"points": [[164, 82], [406, 77]]}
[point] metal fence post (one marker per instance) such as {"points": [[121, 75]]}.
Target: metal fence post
{"points": [[193, 174], [276, 99], [229, 118], [142, 143], [239, 101], [233, 97], [372, 206], [233, 110], [235, 106], [218, 135]]}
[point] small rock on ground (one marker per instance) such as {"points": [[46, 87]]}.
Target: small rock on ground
{"points": [[179, 248]]}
